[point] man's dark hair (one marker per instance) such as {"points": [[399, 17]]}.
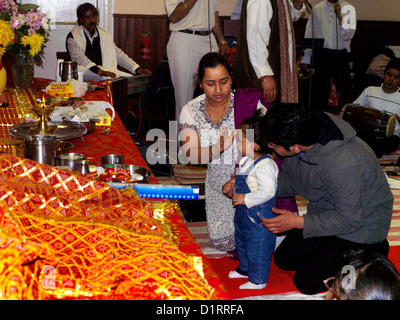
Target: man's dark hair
{"points": [[83, 8], [394, 63], [287, 124]]}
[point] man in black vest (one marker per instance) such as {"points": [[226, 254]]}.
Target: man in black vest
{"points": [[265, 54], [94, 50]]}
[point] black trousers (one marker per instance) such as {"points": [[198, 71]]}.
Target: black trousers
{"points": [[330, 64], [316, 259], [383, 146]]}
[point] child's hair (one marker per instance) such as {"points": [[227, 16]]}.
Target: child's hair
{"points": [[375, 278], [254, 123]]}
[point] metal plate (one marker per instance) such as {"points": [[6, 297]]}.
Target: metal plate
{"points": [[63, 131], [134, 169]]}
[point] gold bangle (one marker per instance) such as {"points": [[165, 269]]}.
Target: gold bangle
{"points": [[183, 2], [222, 42]]}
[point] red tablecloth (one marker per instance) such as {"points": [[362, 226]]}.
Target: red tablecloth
{"points": [[98, 143], [118, 141]]}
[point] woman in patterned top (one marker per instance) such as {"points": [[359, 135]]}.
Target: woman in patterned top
{"points": [[207, 130]]}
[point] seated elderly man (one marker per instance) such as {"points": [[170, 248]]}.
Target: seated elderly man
{"points": [[94, 50]]}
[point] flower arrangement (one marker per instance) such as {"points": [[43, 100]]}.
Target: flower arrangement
{"points": [[28, 29]]}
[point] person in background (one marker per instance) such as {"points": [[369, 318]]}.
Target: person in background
{"points": [[207, 129], [335, 22], [254, 197], [349, 200], [235, 15], [193, 24], [94, 50], [265, 57], [385, 98], [364, 276]]}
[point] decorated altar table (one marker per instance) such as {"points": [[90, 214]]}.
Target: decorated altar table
{"points": [[64, 235]]}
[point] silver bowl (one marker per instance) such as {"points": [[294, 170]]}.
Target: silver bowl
{"points": [[112, 159], [90, 125], [70, 159]]}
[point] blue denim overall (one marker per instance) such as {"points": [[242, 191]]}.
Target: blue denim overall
{"points": [[254, 243]]}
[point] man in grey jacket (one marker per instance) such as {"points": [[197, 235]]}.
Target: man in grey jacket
{"points": [[350, 202]]}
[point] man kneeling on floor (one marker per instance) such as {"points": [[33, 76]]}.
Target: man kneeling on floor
{"points": [[350, 202]]}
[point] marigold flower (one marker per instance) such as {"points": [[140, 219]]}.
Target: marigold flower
{"points": [[35, 41]]}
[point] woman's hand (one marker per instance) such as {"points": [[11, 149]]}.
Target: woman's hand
{"points": [[225, 140]]}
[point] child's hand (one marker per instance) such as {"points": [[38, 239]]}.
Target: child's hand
{"points": [[238, 199], [229, 187]]}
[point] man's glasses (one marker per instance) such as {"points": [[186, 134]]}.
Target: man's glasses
{"points": [[328, 283]]}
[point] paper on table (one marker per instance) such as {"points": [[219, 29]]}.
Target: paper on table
{"points": [[95, 109], [394, 183]]}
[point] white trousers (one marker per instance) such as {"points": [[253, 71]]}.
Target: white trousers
{"points": [[184, 54]]}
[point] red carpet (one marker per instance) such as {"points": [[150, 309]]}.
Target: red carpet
{"points": [[279, 281]]}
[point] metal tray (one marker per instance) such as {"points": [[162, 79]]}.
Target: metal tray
{"points": [[133, 169], [63, 131]]}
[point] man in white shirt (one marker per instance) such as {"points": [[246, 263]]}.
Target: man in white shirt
{"points": [[385, 98], [94, 50], [193, 26], [265, 55], [335, 22], [235, 15]]}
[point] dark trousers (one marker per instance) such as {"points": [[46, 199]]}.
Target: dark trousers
{"points": [[383, 146], [330, 64], [316, 259]]}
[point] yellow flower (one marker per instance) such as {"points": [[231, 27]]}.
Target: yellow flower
{"points": [[6, 35], [35, 41]]}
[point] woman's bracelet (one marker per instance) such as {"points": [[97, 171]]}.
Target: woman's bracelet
{"points": [[222, 42], [184, 4]]}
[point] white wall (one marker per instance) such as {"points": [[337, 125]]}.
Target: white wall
{"points": [[63, 17], [381, 10], [385, 10]]}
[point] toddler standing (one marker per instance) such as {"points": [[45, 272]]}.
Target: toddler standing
{"points": [[254, 197]]}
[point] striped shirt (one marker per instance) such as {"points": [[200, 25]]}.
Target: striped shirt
{"points": [[376, 98]]}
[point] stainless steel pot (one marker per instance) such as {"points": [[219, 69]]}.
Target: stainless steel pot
{"points": [[70, 160], [41, 149]]}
